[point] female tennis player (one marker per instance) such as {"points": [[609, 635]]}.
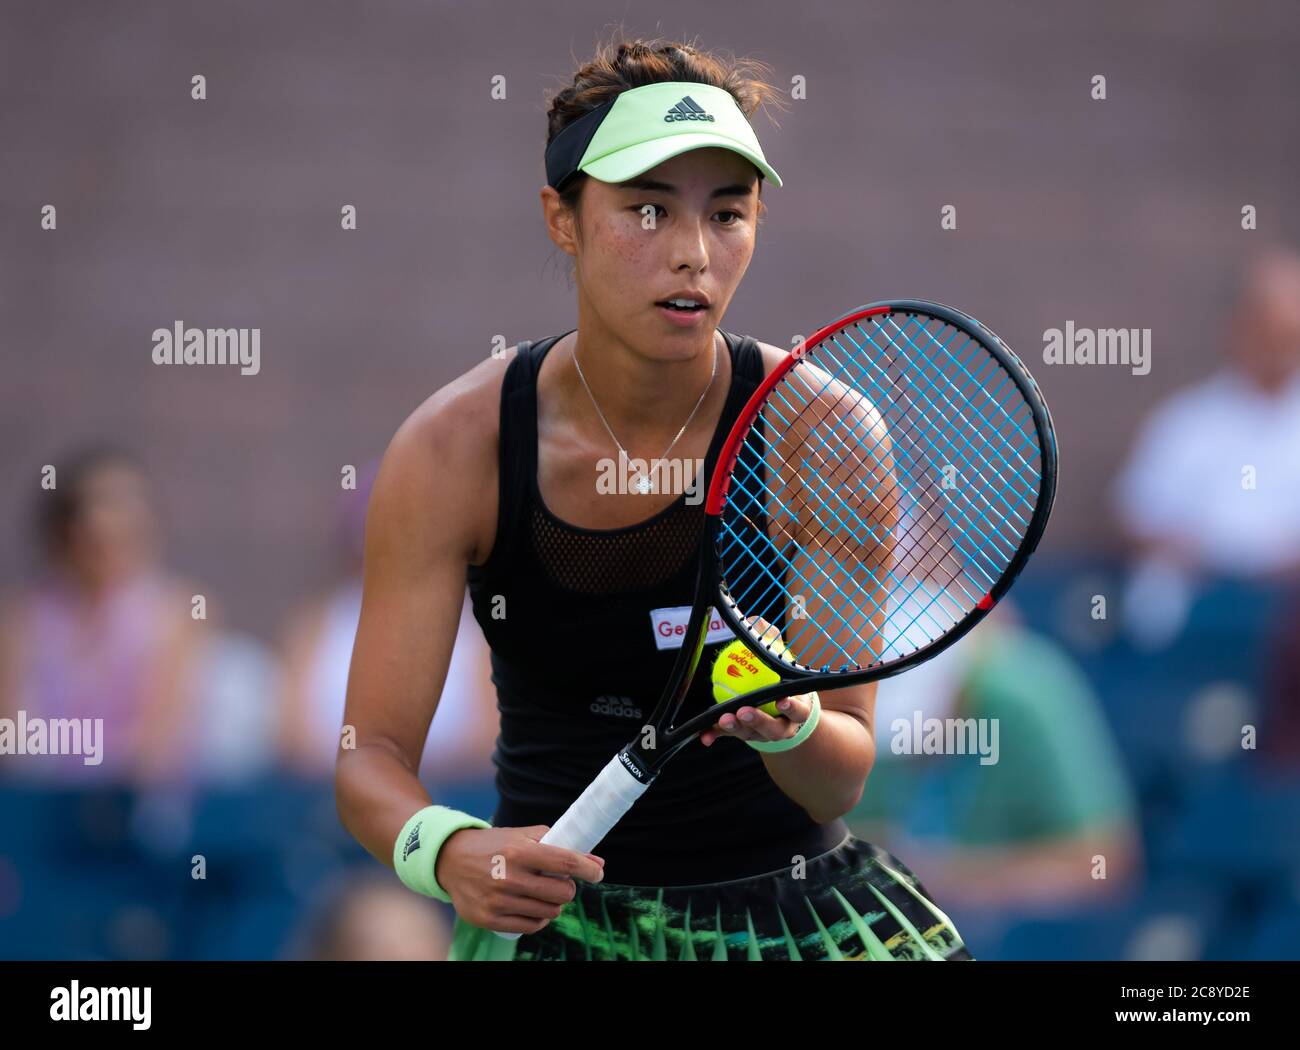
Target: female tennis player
{"points": [[564, 483]]}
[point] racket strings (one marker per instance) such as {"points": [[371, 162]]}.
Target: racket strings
{"points": [[1026, 465], [907, 431], [818, 538], [776, 584], [954, 578], [984, 537], [946, 405], [913, 423], [1008, 477]]}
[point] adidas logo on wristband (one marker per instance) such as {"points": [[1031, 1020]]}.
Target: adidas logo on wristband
{"points": [[412, 842]]}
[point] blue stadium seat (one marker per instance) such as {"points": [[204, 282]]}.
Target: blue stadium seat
{"points": [[1230, 824], [1276, 932], [1171, 919]]}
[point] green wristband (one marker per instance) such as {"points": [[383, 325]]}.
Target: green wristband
{"points": [[415, 853], [805, 731]]}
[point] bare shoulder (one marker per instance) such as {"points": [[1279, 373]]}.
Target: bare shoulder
{"points": [[772, 355], [464, 411], [869, 416], [440, 468]]}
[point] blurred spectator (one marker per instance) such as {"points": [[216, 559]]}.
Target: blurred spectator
{"points": [[1019, 831], [105, 632], [1182, 492], [319, 636], [1185, 498], [370, 918]]}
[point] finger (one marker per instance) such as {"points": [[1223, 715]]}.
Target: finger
{"points": [[753, 718], [537, 832], [530, 907], [767, 632], [795, 708], [548, 890], [560, 861], [759, 725], [522, 915], [726, 726], [514, 924]]}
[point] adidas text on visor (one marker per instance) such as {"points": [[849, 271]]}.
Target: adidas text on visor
{"points": [[645, 126]]}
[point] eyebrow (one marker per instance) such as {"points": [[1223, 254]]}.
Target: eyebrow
{"points": [[655, 186]]}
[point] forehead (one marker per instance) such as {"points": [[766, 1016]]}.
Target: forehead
{"points": [[700, 171]]}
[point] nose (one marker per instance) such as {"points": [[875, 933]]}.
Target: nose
{"points": [[688, 246]]}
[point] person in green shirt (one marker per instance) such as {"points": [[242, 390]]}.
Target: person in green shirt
{"points": [[1026, 802]]}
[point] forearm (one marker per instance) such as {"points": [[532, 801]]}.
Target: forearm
{"points": [[376, 792], [826, 773]]}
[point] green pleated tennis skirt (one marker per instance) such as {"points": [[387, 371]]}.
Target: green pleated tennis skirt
{"points": [[854, 903]]}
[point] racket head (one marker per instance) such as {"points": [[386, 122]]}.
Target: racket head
{"points": [[902, 463]]}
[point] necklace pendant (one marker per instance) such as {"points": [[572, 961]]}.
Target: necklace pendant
{"points": [[641, 484]]}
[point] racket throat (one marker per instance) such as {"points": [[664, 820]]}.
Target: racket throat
{"points": [[637, 766]]}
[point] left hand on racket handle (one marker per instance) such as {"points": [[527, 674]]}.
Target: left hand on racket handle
{"points": [[595, 811]]}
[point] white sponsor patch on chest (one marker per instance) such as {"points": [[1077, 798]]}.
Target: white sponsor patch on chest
{"points": [[670, 627]]}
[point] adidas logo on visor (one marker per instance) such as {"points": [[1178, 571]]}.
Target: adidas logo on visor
{"points": [[687, 109]]}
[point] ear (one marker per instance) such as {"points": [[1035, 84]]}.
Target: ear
{"points": [[560, 221]]}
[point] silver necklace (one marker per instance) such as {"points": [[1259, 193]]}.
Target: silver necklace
{"points": [[642, 480]]}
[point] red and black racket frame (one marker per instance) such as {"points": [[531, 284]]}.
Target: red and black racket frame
{"points": [[644, 762]]}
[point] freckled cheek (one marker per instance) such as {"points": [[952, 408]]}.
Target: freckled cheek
{"points": [[624, 246], [625, 261], [729, 262]]}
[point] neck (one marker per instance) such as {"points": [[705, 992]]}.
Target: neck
{"points": [[1267, 383], [641, 397]]}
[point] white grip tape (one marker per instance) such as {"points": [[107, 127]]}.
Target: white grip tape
{"points": [[597, 809], [594, 812]]}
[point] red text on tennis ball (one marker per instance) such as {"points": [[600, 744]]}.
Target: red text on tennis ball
{"points": [[737, 671]]}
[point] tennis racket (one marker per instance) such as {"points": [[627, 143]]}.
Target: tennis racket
{"points": [[880, 491]]}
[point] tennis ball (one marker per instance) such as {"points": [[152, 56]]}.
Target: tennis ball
{"points": [[737, 671]]}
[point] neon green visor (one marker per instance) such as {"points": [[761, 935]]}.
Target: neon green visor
{"points": [[645, 126]]}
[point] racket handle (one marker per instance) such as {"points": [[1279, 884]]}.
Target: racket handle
{"points": [[594, 812]]}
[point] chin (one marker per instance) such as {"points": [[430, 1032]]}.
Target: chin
{"points": [[683, 346]]}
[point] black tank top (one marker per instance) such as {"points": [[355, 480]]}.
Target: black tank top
{"points": [[580, 624]]}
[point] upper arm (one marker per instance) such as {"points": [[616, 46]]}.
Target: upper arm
{"points": [[423, 526]]}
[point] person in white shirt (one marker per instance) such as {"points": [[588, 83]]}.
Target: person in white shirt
{"points": [[1212, 487], [1213, 483]]}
